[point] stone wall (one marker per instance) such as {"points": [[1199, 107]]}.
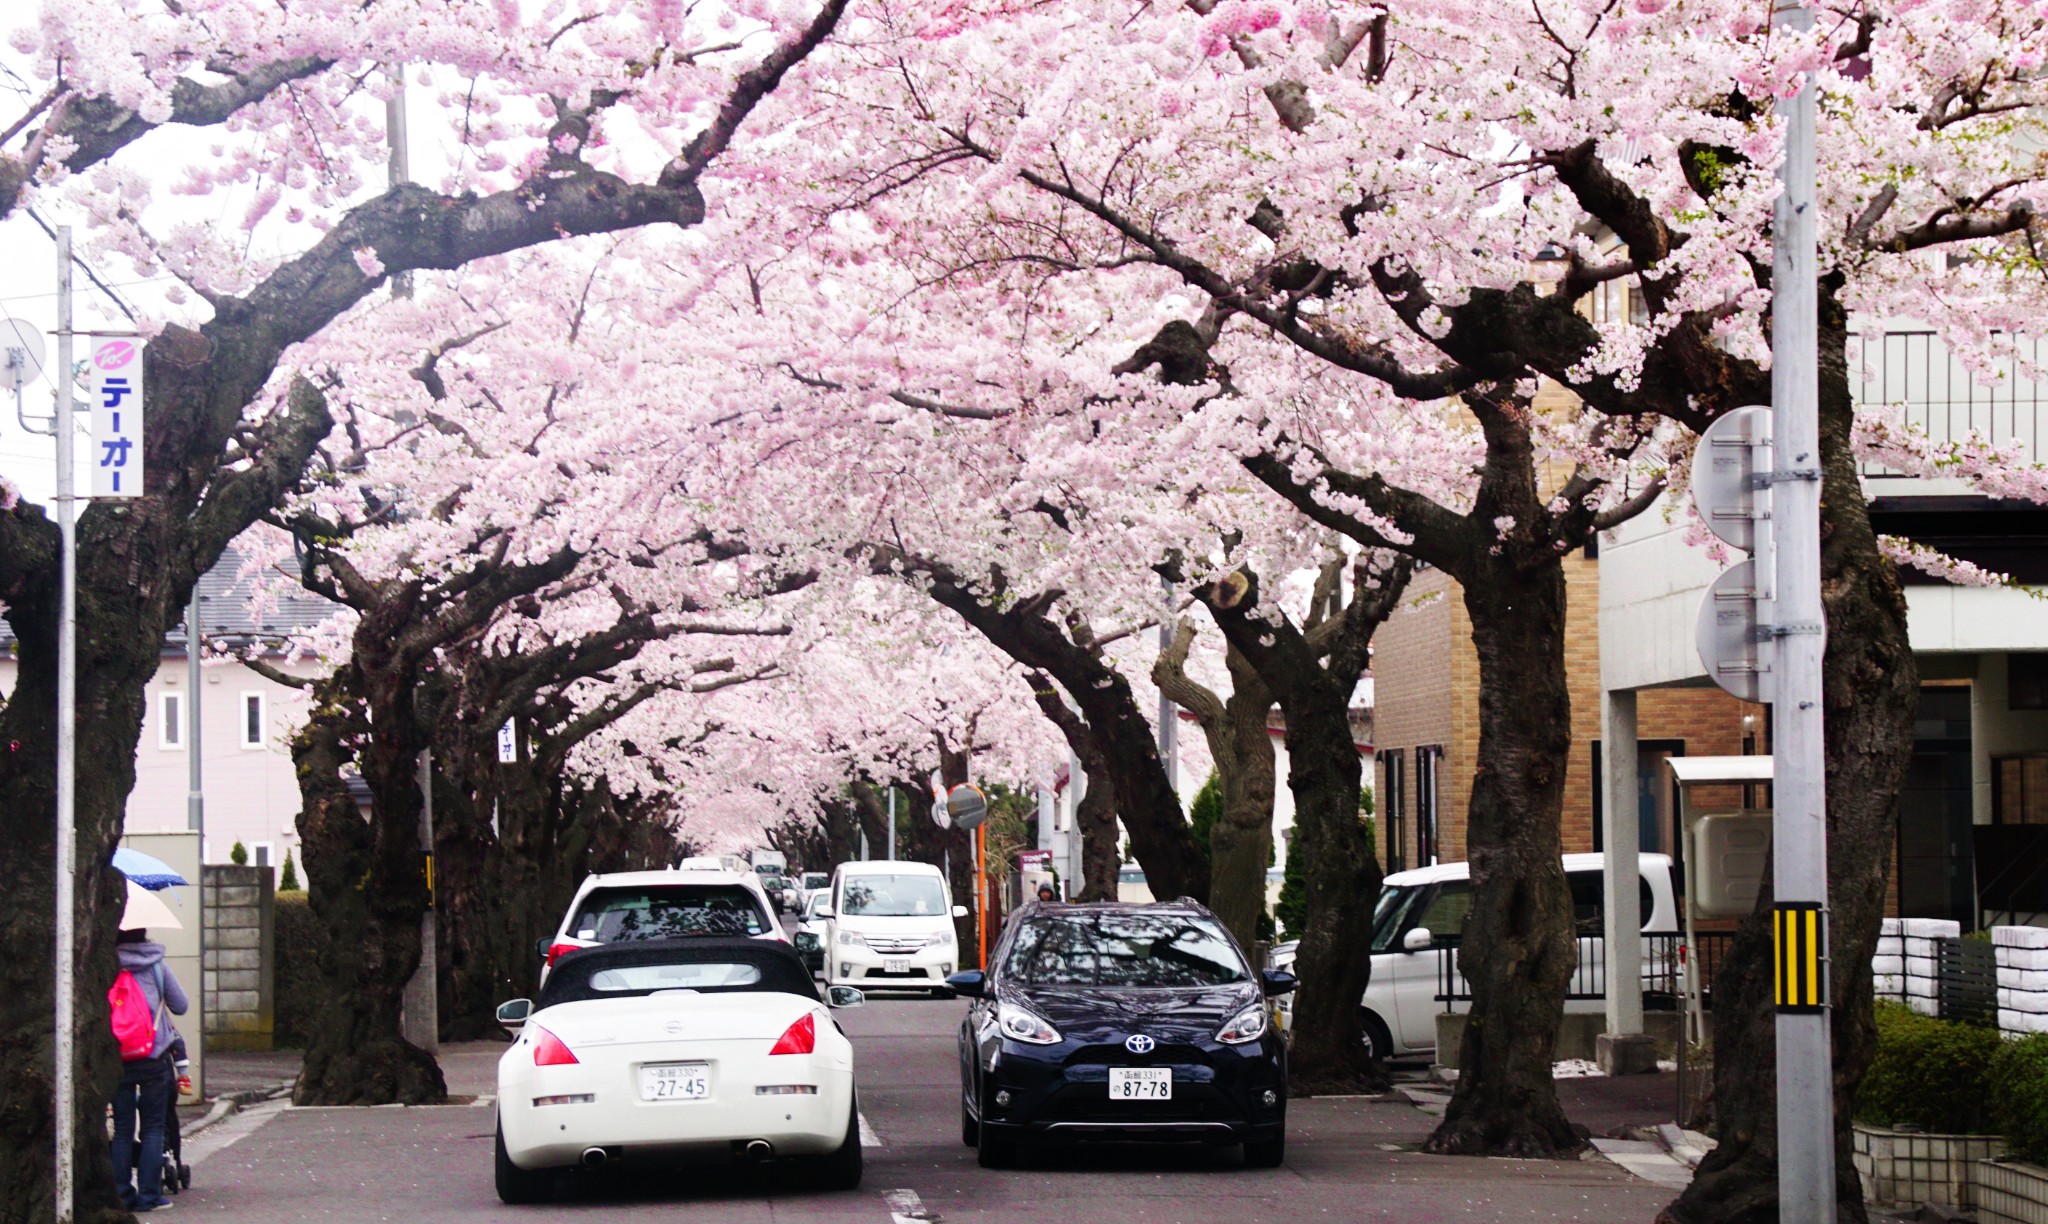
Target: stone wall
{"points": [[240, 957]]}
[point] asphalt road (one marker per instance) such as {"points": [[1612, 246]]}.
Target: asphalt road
{"points": [[1348, 1159]]}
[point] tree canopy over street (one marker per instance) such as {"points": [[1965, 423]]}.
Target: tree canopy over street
{"points": [[758, 402]]}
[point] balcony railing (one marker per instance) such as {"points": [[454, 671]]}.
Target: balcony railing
{"points": [[1915, 371]]}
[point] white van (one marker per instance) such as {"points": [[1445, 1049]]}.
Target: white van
{"points": [[890, 924], [1422, 912]]}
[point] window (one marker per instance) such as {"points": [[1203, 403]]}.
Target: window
{"points": [[1426, 843], [611, 915], [2019, 789], [1445, 912], [255, 723], [261, 851], [1395, 851], [1589, 901], [893, 896], [170, 720]]}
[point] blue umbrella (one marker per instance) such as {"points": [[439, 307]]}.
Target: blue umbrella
{"points": [[145, 871]]}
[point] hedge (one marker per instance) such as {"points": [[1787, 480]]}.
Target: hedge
{"points": [[2019, 1096], [1933, 1074], [297, 981]]}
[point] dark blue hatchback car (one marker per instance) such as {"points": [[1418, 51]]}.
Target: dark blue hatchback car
{"points": [[1121, 1022]]}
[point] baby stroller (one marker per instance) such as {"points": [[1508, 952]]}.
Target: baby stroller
{"points": [[177, 1174]]}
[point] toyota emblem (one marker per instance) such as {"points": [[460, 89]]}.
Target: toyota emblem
{"points": [[1139, 1043], [673, 1028]]}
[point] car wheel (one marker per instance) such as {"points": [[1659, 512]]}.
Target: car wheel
{"points": [[842, 1169], [1265, 1153], [517, 1185], [1379, 1043], [970, 1130]]}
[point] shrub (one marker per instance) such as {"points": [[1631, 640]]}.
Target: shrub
{"points": [[296, 985], [289, 880], [1929, 1073], [239, 856], [2019, 1096]]}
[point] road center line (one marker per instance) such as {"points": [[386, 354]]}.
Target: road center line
{"points": [[906, 1208]]}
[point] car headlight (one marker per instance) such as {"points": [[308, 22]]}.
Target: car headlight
{"points": [[1247, 1025], [849, 939], [1019, 1024]]}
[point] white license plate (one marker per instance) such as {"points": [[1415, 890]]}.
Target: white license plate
{"points": [[896, 966], [1141, 1083], [675, 1082]]}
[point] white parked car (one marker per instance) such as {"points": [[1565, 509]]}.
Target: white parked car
{"points": [[812, 883], [810, 933], [1422, 912], [890, 923], [651, 1052], [636, 905]]}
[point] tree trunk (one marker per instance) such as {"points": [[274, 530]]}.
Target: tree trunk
{"points": [[1517, 951], [1872, 685], [1101, 858], [1241, 840], [366, 885], [1343, 885]]}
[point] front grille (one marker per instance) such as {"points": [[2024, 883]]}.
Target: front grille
{"points": [[896, 946]]}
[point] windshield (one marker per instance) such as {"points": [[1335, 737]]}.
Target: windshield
{"points": [[816, 879], [1393, 906], [611, 914], [1123, 949], [893, 896]]}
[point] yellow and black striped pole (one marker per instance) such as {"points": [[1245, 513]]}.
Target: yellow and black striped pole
{"points": [[1798, 933]]}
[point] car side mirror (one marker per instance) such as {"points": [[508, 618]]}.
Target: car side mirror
{"points": [[1417, 940], [823, 911], [540, 947], [970, 983], [844, 996], [1277, 982], [806, 941], [959, 911], [513, 1015]]}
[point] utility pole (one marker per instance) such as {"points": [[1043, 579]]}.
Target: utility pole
{"points": [[66, 1119], [1792, 611], [891, 856], [195, 808]]}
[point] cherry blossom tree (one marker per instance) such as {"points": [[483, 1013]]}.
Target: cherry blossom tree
{"points": [[560, 124]]}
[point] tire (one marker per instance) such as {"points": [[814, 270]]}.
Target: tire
{"points": [[517, 1186], [970, 1130], [1379, 1043], [1265, 1153], [841, 1169]]}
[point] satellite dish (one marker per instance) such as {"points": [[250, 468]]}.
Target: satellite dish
{"points": [[21, 354]]}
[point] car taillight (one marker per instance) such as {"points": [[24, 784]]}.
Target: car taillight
{"points": [[548, 1050], [799, 1038], [555, 952]]}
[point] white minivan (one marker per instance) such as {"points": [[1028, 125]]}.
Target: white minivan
{"points": [[890, 924], [1422, 912]]}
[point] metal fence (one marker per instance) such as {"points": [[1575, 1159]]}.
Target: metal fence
{"points": [[1915, 371], [1665, 957]]}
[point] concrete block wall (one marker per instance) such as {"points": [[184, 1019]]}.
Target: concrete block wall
{"points": [[240, 957]]}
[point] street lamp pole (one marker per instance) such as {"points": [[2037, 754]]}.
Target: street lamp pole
{"points": [[1806, 1129], [66, 1120]]}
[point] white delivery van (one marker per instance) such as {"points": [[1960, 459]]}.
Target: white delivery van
{"points": [[1421, 914], [890, 924]]}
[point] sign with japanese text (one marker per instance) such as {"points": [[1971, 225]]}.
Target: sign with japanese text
{"points": [[508, 744], [114, 379]]}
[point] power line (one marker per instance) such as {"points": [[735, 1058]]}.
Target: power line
{"points": [[90, 275]]}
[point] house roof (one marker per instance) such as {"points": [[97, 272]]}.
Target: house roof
{"points": [[224, 609]]}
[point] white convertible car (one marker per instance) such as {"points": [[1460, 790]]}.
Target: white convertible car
{"points": [[660, 1050]]}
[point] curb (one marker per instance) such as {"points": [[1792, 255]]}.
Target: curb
{"points": [[232, 1104]]}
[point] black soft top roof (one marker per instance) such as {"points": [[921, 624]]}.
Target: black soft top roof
{"points": [[782, 970]]}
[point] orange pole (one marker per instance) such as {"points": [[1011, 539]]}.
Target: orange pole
{"points": [[981, 889]]}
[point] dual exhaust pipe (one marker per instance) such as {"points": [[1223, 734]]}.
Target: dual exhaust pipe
{"points": [[753, 1149]]}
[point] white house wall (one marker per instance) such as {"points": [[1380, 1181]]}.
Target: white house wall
{"points": [[252, 793]]}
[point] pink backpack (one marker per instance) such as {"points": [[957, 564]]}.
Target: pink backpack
{"points": [[134, 1022]]}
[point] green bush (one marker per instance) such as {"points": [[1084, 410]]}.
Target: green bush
{"points": [[289, 880], [239, 855], [296, 946], [2019, 1096], [1929, 1073]]}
